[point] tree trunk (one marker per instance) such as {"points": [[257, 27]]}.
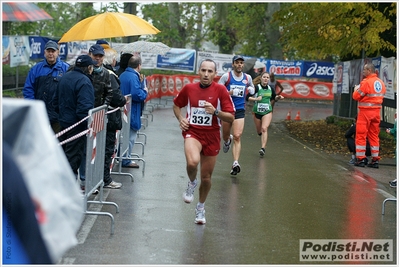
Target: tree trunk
{"points": [[227, 40], [130, 8], [198, 34], [273, 33], [174, 16]]}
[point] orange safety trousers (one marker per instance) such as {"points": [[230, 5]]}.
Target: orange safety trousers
{"points": [[368, 126]]}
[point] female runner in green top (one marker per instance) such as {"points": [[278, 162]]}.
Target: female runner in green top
{"points": [[264, 98]]}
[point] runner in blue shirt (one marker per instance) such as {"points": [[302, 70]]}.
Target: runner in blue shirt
{"points": [[238, 84]]}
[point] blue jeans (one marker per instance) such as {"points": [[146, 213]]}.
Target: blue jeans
{"points": [[132, 140], [82, 167]]}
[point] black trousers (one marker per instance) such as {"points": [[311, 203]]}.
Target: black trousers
{"points": [[109, 150], [74, 150], [350, 142]]}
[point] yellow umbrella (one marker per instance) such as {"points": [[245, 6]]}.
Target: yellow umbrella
{"points": [[108, 25]]}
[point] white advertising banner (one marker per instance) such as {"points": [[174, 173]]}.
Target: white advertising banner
{"points": [[387, 75], [345, 78], [76, 49], [19, 51], [149, 60], [223, 61]]}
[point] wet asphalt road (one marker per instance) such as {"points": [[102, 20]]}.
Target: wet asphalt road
{"points": [[256, 217]]}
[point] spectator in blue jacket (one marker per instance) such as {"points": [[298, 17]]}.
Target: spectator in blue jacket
{"points": [[133, 83], [42, 80], [73, 100]]}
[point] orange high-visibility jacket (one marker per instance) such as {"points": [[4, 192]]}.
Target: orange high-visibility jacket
{"points": [[370, 93]]}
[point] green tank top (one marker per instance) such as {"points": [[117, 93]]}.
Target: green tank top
{"points": [[264, 106]]}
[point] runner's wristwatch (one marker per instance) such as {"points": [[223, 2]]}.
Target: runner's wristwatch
{"points": [[216, 112]]}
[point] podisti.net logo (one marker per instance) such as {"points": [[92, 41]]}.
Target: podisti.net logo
{"points": [[348, 250]]}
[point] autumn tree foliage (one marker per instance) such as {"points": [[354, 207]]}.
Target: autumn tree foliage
{"points": [[344, 29]]}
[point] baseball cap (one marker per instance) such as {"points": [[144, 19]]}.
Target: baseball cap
{"points": [[97, 50], [84, 61], [101, 41], [238, 57], [51, 45]]}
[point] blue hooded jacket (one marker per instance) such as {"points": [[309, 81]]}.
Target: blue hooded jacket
{"points": [[41, 83], [131, 84]]}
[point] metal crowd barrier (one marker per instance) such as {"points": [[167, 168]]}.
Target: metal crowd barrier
{"points": [[385, 201], [122, 143], [95, 155]]}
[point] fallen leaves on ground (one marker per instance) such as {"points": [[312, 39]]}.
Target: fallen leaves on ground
{"points": [[330, 138]]}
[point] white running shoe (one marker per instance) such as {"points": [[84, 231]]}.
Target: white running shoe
{"points": [[227, 145], [236, 168], [113, 185], [188, 195], [200, 216]]}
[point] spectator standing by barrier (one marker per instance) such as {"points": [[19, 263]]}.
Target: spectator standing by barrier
{"points": [[201, 130], [114, 118], [263, 109], [133, 83], [110, 54], [350, 142], [73, 101], [42, 80], [370, 95], [237, 84], [102, 95], [123, 63]]}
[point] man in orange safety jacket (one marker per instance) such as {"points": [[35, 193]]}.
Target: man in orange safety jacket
{"points": [[369, 94]]}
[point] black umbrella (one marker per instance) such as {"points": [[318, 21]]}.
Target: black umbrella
{"points": [[249, 65]]}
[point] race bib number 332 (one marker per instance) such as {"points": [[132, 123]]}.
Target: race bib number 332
{"points": [[200, 117]]}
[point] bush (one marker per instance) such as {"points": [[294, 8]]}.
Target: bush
{"points": [[343, 123]]}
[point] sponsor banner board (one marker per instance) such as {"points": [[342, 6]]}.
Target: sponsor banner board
{"points": [[149, 60], [75, 49], [177, 59], [309, 90], [318, 70], [6, 49], [19, 51], [387, 75], [37, 45], [160, 85], [282, 68], [223, 61]]}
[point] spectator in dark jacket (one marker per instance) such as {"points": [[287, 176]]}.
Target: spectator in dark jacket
{"points": [[123, 63], [114, 119], [350, 142], [102, 94], [41, 82], [74, 99]]}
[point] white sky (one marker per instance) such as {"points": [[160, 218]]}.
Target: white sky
{"points": [[97, 5]]}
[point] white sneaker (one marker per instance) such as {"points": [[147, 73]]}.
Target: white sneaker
{"points": [[227, 145], [113, 185], [236, 168], [188, 195], [200, 216]]}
